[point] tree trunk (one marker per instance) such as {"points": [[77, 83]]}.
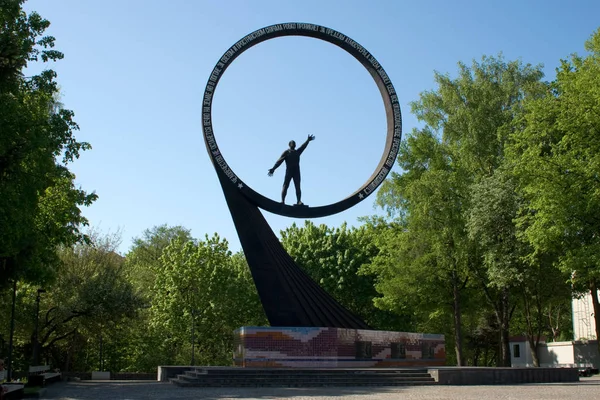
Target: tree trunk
{"points": [[596, 305], [531, 336], [486, 359], [457, 320], [533, 349], [476, 355], [504, 359], [68, 360], [555, 327], [502, 314]]}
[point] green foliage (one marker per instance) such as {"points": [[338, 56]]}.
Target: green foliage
{"points": [[404, 279], [333, 258], [473, 113], [557, 157], [143, 260], [24, 324], [142, 348], [424, 253], [555, 154], [22, 41], [90, 297], [490, 222], [509, 263], [450, 188], [201, 285], [39, 204]]}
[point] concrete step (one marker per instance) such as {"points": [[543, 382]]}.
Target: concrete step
{"points": [[301, 377], [301, 381], [234, 381], [324, 375], [268, 383], [251, 372]]}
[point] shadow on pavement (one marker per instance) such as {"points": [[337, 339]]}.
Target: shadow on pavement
{"points": [[145, 390]]}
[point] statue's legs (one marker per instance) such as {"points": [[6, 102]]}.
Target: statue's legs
{"points": [[286, 185], [296, 178]]}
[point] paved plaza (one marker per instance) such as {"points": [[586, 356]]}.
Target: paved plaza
{"points": [[588, 388]]}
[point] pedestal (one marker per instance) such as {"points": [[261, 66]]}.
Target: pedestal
{"points": [[311, 347]]}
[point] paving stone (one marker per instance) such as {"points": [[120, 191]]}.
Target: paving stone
{"points": [[588, 388]]}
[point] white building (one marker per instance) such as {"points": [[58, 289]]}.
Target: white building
{"points": [[520, 355], [583, 318], [580, 352]]}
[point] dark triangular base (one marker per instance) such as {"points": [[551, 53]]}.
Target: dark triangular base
{"points": [[288, 295]]}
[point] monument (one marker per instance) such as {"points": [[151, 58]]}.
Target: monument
{"points": [[308, 326]]}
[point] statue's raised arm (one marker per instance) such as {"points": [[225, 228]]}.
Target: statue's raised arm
{"points": [[303, 147]]}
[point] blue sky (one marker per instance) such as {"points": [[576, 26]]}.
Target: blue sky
{"points": [[134, 73]]}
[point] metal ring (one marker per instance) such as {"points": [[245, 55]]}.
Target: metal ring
{"points": [[390, 100]]}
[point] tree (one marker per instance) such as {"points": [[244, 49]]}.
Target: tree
{"points": [[143, 260], [509, 263], [423, 258], [490, 222], [202, 295], [556, 155], [468, 121], [39, 204], [145, 341], [89, 298]]}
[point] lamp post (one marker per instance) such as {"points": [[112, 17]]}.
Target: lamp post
{"points": [[101, 349], [12, 332], [35, 332]]}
